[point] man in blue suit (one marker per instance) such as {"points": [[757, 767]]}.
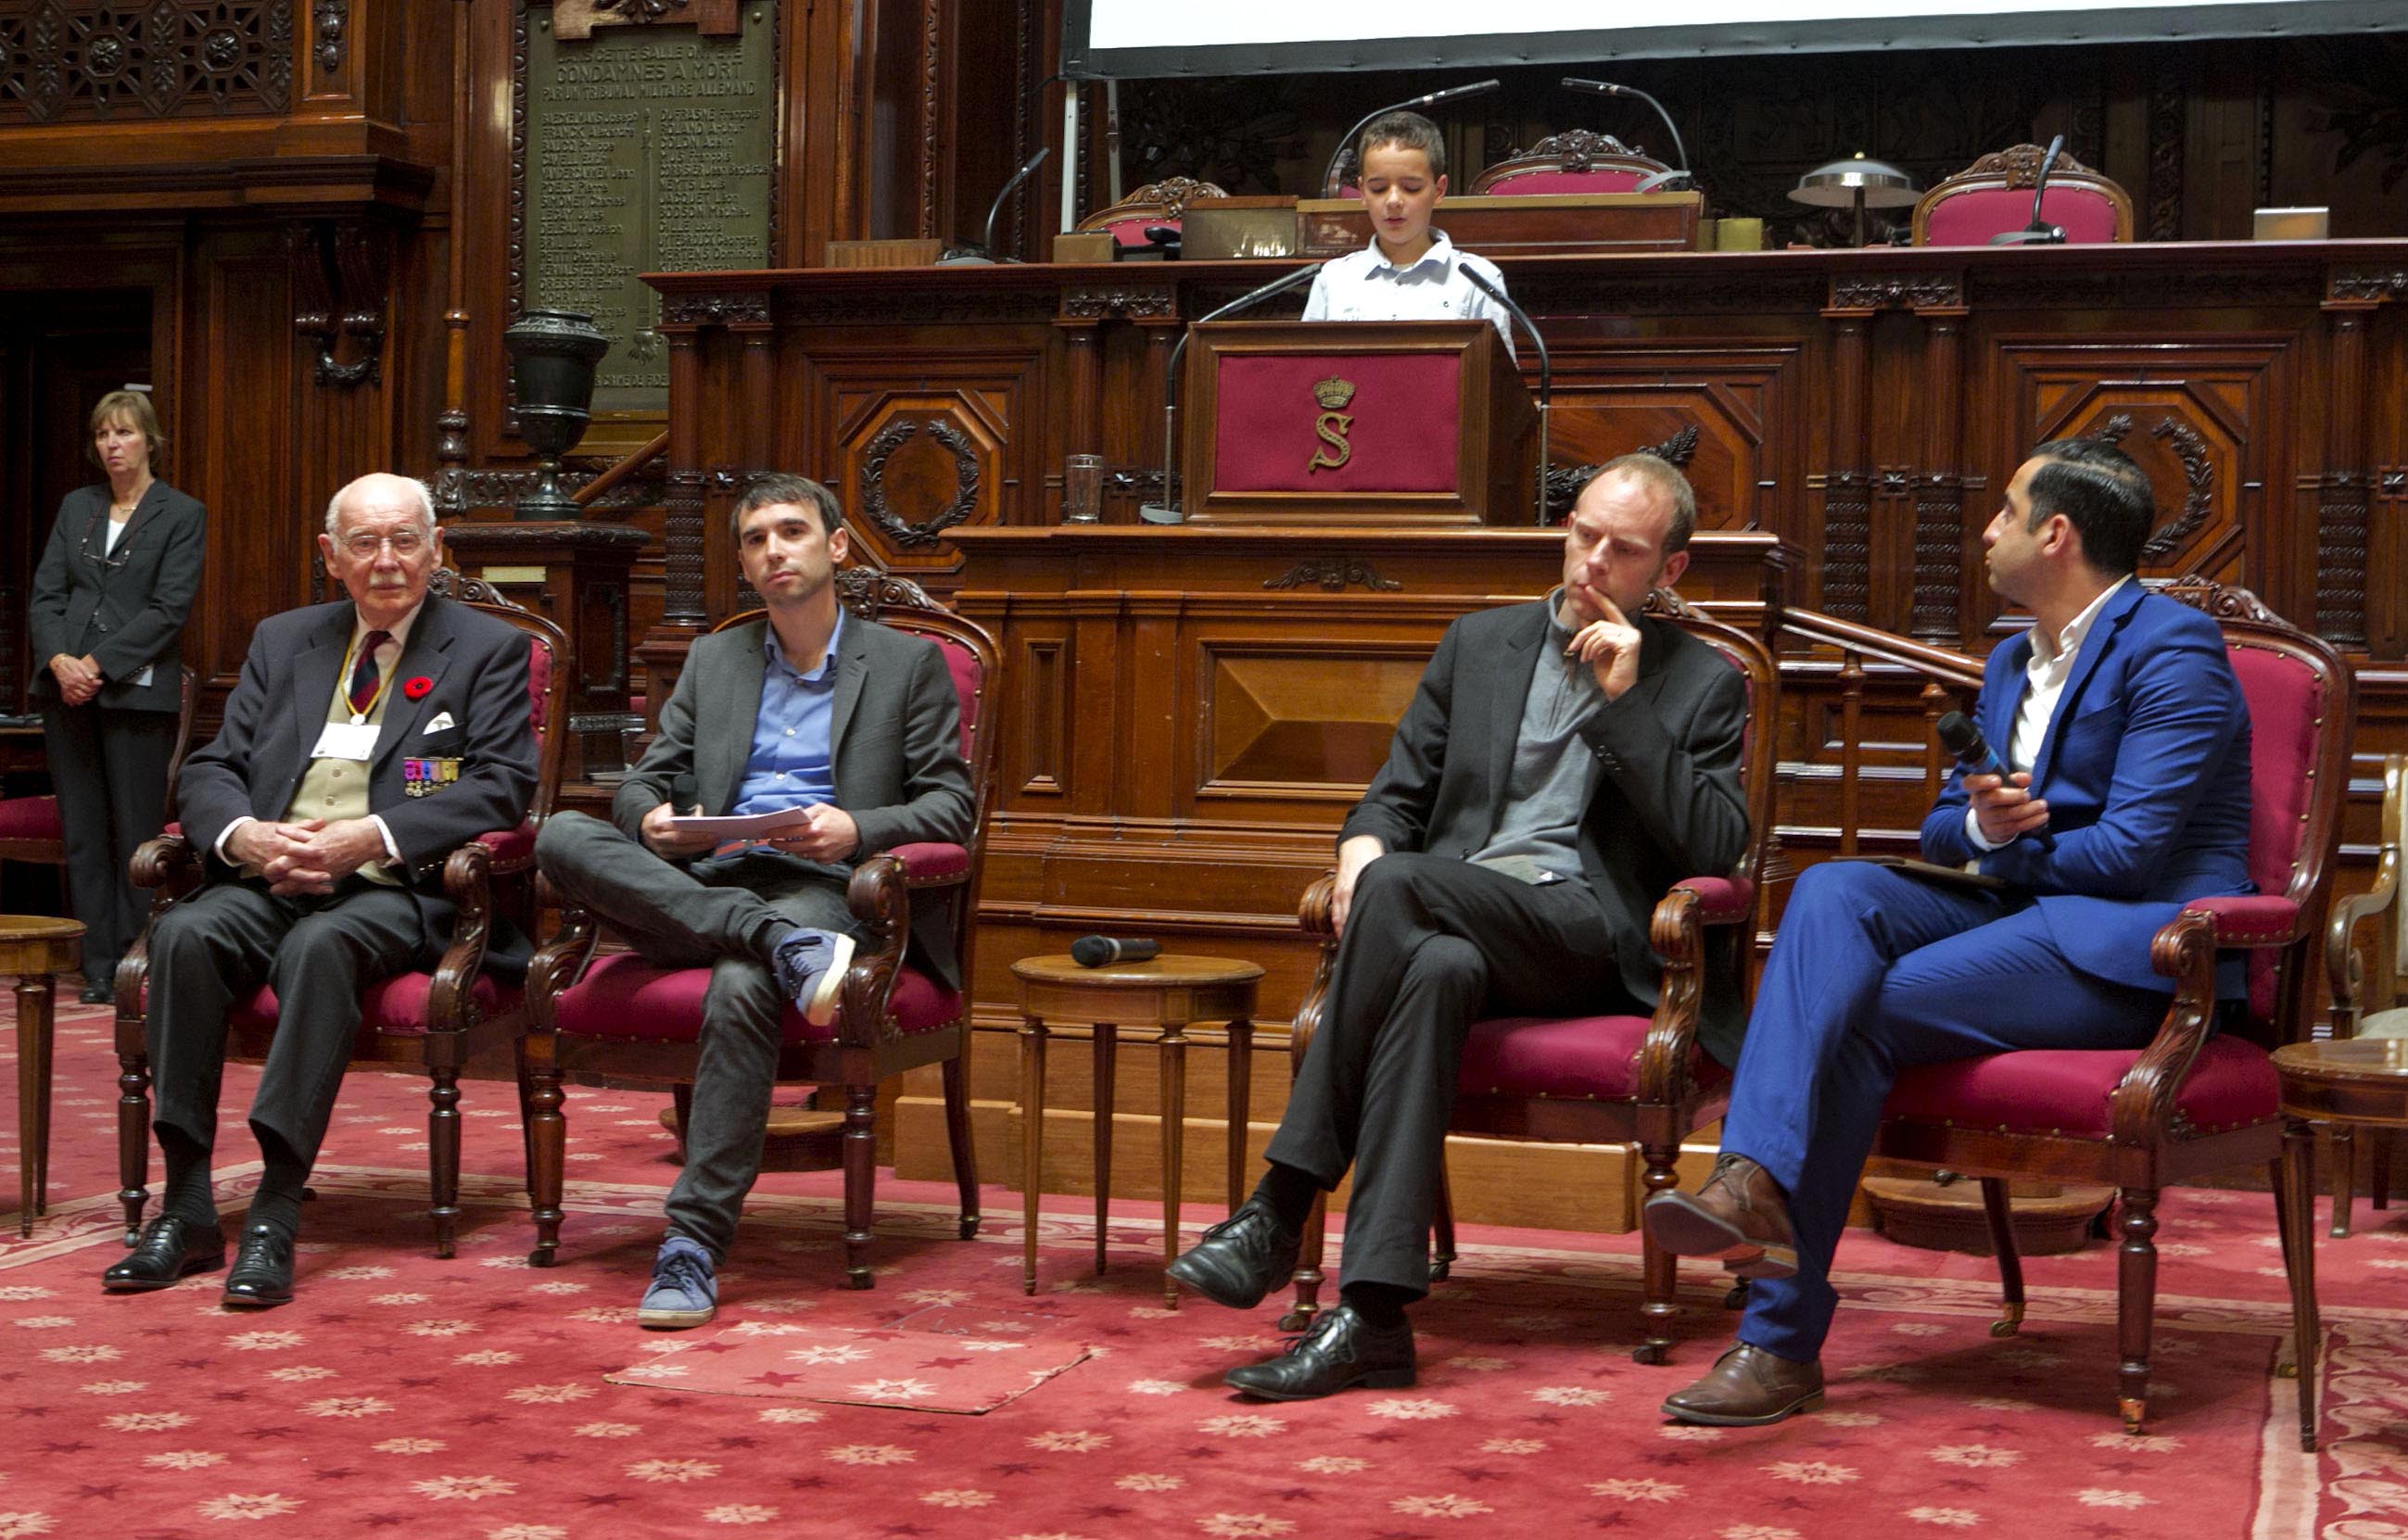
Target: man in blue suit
{"points": [[2127, 740]]}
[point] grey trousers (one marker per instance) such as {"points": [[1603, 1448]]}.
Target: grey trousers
{"points": [[724, 913]]}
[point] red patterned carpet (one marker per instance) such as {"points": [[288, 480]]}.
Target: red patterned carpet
{"points": [[402, 1394]]}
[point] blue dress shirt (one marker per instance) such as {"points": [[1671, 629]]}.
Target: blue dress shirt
{"points": [[792, 764]]}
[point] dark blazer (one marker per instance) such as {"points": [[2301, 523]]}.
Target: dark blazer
{"points": [[2146, 770], [477, 669], [895, 741], [127, 608], [1664, 796]]}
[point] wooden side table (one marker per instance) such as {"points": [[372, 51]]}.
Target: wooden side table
{"points": [[33, 949], [2351, 1083], [1169, 992]]}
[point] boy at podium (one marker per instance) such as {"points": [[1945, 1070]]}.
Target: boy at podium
{"points": [[1409, 271]]}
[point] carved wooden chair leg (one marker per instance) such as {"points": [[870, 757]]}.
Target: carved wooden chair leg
{"points": [[1308, 1268], [443, 1155], [2136, 1300], [2296, 1179], [2287, 1361], [526, 1111], [860, 1175], [2344, 1177], [2001, 1215], [1442, 1221], [957, 1131], [547, 1145], [2378, 1176], [1659, 1271], [133, 1138]]}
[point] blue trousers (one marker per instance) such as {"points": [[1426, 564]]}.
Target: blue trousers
{"points": [[1872, 972]]}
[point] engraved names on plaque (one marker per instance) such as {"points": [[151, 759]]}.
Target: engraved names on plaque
{"points": [[648, 149]]}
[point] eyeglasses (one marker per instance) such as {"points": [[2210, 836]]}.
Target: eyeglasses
{"points": [[365, 546]]}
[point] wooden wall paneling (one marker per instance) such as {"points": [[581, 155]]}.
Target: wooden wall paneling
{"points": [[2386, 586], [2343, 489], [1839, 565], [246, 446], [1719, 407]]}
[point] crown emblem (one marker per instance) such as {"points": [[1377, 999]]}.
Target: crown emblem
{"points": [[1334, 393]]}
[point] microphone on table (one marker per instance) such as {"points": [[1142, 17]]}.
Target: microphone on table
{"points": [[1172, 509], [1547, 371], [2040, 232], [983, 254], [1661, 179], [1960, 737], [1095, 951], [1330, 172]]}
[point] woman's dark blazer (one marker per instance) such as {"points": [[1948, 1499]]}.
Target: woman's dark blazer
{"points": [[127, 608]]}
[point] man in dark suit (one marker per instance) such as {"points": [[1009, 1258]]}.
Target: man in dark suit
{"points": [[851, 729], [366, 739], [1563, 762], [2127, 740]]}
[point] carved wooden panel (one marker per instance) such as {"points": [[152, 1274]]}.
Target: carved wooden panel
{"points": [[260, 551], [1309, 721], [66, 63], [1728, 413]]}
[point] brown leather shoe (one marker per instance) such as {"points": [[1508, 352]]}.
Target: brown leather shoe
{"points": [[1748, 1387], [1740, 1215]]}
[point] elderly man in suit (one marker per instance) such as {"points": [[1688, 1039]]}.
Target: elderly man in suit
{"points": [[366, 739], [850, 730], [1563, 762], [2126, 740]]}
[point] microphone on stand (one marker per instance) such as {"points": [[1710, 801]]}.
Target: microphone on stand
{"points": [[2040, 232], [1096, 951], [1546, 370], [1661, 179], [1329, 183], [980, 255], [1172, 509]]}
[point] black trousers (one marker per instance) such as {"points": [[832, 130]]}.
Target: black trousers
{"points": [[110, 769], [1432, 945], [717, 914], [316, 952]]}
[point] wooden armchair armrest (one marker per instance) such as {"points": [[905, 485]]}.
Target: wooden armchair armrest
{"points": [[2142, 1107], [933, 864], [468, 882], [1315, 918], [1677, 930], [880, 896], [2344, 966], [170, 867], [561, 961], [513, 850], [170, 863]]}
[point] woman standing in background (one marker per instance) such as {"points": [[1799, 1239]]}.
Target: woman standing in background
{"points": [[115, 583]]}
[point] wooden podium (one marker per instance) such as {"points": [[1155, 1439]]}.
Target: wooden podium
{"points": [[1415, 423]]}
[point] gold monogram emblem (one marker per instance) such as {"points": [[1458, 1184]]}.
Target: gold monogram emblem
{"points": [[1333, 423]]}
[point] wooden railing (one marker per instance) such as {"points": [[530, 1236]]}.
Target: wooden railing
{"points": [[1851, 658], [618, 471]]}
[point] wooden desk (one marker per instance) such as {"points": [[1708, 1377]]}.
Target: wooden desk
{"points": [[34, 949], [1170, 994]]}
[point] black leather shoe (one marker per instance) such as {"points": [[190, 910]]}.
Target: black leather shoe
{"points": [[1239, 1259], [1341, 1351], [170, 1249], [97, 993], [262, 1269], [1740, 1215]]}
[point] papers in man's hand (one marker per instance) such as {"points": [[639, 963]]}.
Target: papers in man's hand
{"points": [[752, 826]]}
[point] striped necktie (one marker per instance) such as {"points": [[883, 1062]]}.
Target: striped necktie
{"points": [[364, 672]]}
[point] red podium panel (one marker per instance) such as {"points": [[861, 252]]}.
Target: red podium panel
{"points": [[1357, 422]]}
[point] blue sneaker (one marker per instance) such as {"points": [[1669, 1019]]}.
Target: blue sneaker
{"points": [[810, 969], [684, 1290]]}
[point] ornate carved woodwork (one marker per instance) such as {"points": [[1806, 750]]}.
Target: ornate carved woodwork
{"points": [[341, 275], [66, 63]]}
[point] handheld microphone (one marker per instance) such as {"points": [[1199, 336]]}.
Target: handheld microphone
{"points": [[1960, 737], [981, 256], [1172, 510], [2040, 232], [1661, 179], [1096, 951], [1329, 183], [1546, 370]]}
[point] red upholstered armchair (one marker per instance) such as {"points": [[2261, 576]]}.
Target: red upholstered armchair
{"points": [[30, 830], [1576, 161], [1157, 203], [1605, 1079], [1993, 196], [431, 1022], [613, 1019], [2201, 1096], [2366, 947]]}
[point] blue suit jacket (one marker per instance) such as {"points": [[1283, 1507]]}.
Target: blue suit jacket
{"points": [[2146, 770]]}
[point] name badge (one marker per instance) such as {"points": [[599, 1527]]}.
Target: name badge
{"points": [[347, 741]]}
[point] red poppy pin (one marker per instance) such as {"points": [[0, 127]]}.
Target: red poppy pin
{"points": [[416, 689]]}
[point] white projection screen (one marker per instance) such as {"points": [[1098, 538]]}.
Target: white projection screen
{"points": [[1126, 39]]}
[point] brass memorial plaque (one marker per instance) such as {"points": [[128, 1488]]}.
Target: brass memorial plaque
{"points": [[648, 149]]}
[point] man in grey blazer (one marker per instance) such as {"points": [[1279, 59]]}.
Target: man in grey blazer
{"points": [[366, 741], [850, 728], [1562, 764]]}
